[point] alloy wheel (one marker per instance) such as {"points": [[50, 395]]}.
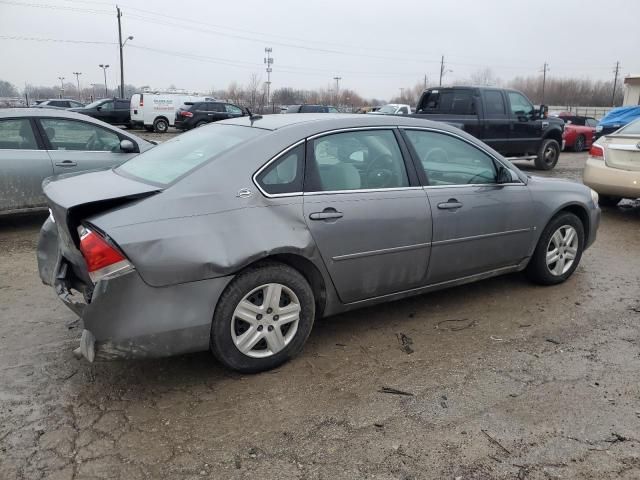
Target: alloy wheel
{"points": [[562, 250], [550, 155], [266, 320]]}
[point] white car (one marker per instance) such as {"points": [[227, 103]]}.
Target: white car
{"points": [[393, 109]]}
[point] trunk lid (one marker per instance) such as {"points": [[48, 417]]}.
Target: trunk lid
{"points": [[622, 151], [73, 198]]}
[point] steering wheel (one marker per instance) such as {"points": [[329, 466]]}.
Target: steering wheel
{"points": [[437, 154], [380, 172], [478, 175]]}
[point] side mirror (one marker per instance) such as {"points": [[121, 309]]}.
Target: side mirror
{"points": [[127, 146], [544, 111], [98, 108], [506, 175]]}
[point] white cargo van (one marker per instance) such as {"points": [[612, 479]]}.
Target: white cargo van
{"points": [[156, 111]]}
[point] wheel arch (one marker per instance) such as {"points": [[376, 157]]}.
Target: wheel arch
{"points": [[306, 268], [579, 211], [554, 134]]}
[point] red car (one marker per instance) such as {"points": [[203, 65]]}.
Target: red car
{"points": [[578, 131]]}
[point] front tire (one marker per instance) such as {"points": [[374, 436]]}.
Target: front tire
{"points": [[263, 318], [548, 154], [558, 252]]}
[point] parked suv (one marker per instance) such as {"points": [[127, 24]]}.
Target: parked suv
{"points": [[114, 111], [196, 114], [311, 109]]}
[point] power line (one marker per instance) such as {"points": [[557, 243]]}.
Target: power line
{"points": [[56, 7], [57, 40]]}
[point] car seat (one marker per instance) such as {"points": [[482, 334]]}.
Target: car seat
{"points": [[341, 176]]}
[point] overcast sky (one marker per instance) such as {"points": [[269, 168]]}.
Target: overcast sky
{"points": [[375, 46]]}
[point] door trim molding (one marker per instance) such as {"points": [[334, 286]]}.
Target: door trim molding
{"points": [[478, 237], [383, 251]]}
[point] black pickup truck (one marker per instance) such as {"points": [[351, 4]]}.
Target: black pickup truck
{"points": [[502, 118]]}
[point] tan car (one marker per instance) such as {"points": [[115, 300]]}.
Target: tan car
{"points": [[613, 166]]}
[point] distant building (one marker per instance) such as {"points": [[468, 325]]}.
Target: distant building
{"points": [[632, 90]]}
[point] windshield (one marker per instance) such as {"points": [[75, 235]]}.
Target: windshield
{"points": [[177, 157], [95, 104], [388, 109], [631, 129]]}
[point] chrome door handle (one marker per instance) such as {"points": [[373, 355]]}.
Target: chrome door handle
{"points": [[326, 214], [66, 163], [451, 204]]}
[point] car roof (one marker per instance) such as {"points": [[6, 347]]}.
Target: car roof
{"points": [[321, 122]]}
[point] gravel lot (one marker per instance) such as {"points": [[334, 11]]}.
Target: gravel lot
{"points": [[505, 380]]}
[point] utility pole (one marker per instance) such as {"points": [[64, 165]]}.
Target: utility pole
{"points": [[268, 61], [61, 86], [425, 81], [337, 79], [616, 71], [545, 69], [121, 44], [401, 93], [441, 69], [77, 74], [104, 69]]}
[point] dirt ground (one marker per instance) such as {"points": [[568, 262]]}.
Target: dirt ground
{"points": [[503, 380]]}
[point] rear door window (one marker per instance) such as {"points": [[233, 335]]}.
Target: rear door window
{"points": [[494, 104], [122, 104], [17, 134], [174, 158], [357, 160]]}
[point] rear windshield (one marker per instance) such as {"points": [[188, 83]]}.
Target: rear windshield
{"points": [[631, 129], [172, 159]]}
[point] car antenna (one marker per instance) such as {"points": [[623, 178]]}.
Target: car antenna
{"points": [[253, 116]]}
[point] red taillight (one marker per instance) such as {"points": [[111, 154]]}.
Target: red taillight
{"points": [[184, 113], [596, 151], [141, 100], [102, 259]]}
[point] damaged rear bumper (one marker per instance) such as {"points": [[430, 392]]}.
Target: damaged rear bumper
{"points": [[126, 318]]}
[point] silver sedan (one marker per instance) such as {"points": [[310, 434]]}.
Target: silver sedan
{"points": [[236, 236], [38, 143]]}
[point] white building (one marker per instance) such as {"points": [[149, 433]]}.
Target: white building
{"points": [[632, 90]]}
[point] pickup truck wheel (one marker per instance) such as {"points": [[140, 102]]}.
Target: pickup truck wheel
{"points": [[548, 154], [578, 145], [160, 125]]}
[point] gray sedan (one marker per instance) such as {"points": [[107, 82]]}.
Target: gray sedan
{"points": [[38, 143], [236, 236]]}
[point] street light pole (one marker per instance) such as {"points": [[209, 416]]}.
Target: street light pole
{"points": [[268, 60], [77, 74], [104, 70], [61, 86]]}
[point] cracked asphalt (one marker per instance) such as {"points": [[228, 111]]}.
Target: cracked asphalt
{"points": [[496, 380]]}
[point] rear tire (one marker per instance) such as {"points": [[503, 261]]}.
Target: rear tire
{"points": [[160, 125], [609, 201], [548, 154], [578, 145], [245, 307], [201, 123], [545, 267]]}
